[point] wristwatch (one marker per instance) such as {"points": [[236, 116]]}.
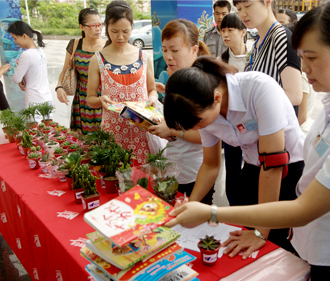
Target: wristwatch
{"points": [[258, 234], [213, 221]]}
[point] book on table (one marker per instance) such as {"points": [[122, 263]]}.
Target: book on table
{"points": [[130, 215], [137, 113], [142, 248], [165, 261]]}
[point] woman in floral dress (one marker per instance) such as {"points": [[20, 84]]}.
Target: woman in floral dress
{"points": [[126, 74]]}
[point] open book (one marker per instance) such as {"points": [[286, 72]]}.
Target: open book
{"points": [[136, 113], [141, 248], [128, 216]]}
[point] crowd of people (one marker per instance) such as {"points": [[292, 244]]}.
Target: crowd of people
{"points": [[256, 104]]}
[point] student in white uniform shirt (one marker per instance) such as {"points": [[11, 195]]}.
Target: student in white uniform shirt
{"points": [[309, 214], [31, 72], [246, 109]]}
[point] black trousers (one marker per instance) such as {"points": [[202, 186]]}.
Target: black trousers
{"points": [[320, 273], [188, 188], [246, 193]]}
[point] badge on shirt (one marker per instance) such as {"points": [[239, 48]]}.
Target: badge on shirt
{"points": [[247, 126], [320, 145]]}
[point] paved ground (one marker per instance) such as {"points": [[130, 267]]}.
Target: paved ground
{"points": [[10, 267]]}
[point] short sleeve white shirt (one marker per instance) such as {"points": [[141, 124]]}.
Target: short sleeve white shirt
{"points": [[257, 102], [312, 241]]}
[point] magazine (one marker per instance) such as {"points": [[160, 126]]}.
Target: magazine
{"points": [[141, 248], [182, 273], [128, 216]]}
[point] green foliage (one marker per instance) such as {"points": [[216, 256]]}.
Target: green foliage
{"points": [[99, 136], [57, 133], [41, 125], [45, 109], [72, 161], [39, 133], [74, 146], [35, 148], [46, 128], [29, 113], [66, 143], [60, 138], [44, 157], [83, 178], [51, 142], [58, 150], [63, 128], [34, 155], [26, 139], [6, 117], [209, 243], [17, 123]]}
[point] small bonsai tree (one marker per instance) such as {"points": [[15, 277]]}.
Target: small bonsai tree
{"points": [[209, 243], [45, 109]]}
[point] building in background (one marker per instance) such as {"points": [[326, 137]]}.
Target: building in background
{"points": [[298, 5], [143, 5]]}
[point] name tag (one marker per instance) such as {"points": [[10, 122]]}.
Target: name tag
{"points": [[247, 126], [320, 145]]}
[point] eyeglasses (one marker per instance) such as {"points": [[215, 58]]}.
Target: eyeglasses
{"points": [[94, 26]]}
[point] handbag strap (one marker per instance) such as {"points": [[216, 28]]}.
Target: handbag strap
{"points": [[75, 45]]}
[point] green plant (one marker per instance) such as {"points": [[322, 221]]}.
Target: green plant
{"points": [[46, 128], [53, 162], [6, 117], [209, 243], [63, 128], [58, 150], [66, 143], [72, 161], [17, 123], [35, 148], [34, 155], [26, 139], [99, 136], [52, 123], [46, 138], [61, 138], [41, 125], [52, 142], [74, 146], [70, 132], [45, 109], [44, 157], [30, 113], [57, 133], [39, 133], [83, 178]]}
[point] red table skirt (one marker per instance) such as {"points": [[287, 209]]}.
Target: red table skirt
{"points": [[45, 228]]}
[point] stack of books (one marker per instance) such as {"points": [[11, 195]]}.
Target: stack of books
{"points": [[130, 242]]}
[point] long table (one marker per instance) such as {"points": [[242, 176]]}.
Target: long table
{"points": [[45, 228]]}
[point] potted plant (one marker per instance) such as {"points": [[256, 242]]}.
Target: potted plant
{"points": [[26, 142], [66, 144], [72, 161], [52, 166], [64, 129], [164, 184], [81, 176], [30, 113], [73, 147], [209, 248], [41, 126], [61, 139], [45, 109], [61, 171], [46, 130], [56, 134], [6, 117], [44, 161], [91, 197], [50, 147], [70, 134], [33, 159], [58, 151], [36, 149], [18, 126], [52, 124]]}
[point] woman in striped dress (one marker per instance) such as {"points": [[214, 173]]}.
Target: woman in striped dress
{"points": [[83, 118]]}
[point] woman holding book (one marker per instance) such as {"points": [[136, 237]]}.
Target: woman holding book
{"points": [[125, 73], [181, 48]]}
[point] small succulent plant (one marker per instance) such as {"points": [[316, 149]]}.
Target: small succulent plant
{"points": [[34, 155], [209, 243]]}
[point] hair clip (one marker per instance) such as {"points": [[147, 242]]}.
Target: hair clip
{"points": [[198, 65]]}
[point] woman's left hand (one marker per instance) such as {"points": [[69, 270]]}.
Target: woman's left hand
{"points": [[244, 240], [160, 130], [152, 101]]}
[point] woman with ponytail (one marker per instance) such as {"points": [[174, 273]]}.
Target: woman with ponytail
{"points": [[181, 47], [31, 72]]}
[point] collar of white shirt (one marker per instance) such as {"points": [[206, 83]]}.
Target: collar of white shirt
{"points": [[235, 100]]}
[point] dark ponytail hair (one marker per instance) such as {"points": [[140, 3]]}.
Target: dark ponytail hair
{"points": [[188, 31], [317, 19], [116, 10], [231, 20], [190, 91], [82, 18], [20, 27]]}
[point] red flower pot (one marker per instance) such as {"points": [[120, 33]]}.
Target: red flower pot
{"points": [[10, 138], [33, 163], [77, 195], [46, 131], [209, 257], [64, 132], [90, 202], [43, 166], [69, 181], [85, 161], [61, 174], [46, 122], [110, 184], [71, 149]]}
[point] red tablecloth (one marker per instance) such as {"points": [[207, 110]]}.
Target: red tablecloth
{"points": [[45, 228]]}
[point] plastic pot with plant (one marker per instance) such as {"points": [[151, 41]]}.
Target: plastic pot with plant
{"points": [[81, 177], [53, 124], [33, 160], [58, 151], [70, 134], [26, 142], [209, 248], [36, 149], [44, 161], [66, 144], [46, 130], [30, 113], [72, 161], [91, 197], [41, 126], [50, 147], [56, 134], [61, 139], [73, 147], [45, 109], [64, 129], [61, 171]]}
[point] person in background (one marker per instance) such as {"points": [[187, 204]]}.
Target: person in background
{"points": [[233, 32], [125, 73], [272, 53], [246, 109], [307, 105], [309, 214], [212, 37], [285, 16], [31, 72], [3, 101], [181, 48], [83, 118]]}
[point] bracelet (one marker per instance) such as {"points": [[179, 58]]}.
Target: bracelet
{"points": [[58, 88], [258, 234], [152, 97], [182, 132]]}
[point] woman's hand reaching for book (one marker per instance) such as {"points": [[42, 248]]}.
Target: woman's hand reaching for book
{"points": [[161, 130], [152, 101], [105, 102]]}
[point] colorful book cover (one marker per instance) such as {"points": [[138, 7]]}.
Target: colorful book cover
{"points": [[182, 273], [143, 247], [137, 113], [97, 273], [132, 214], [129, 273]]}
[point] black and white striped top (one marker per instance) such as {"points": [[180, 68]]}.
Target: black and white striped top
{"points": [[275, 54]]}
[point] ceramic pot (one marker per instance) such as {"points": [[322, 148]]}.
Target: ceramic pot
{"points": [[50, 148]]}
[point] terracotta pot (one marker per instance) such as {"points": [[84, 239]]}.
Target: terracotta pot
{"points": [[46, 131], [209, 257], [61, 174], [90, 202], [64, 132], [71, 149], [33, 125], [46, 122], [10, 138], [43, 166], [77, 195], [110, 184], [33, 163], [85, 161], [69, 181], [56, 155]]}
